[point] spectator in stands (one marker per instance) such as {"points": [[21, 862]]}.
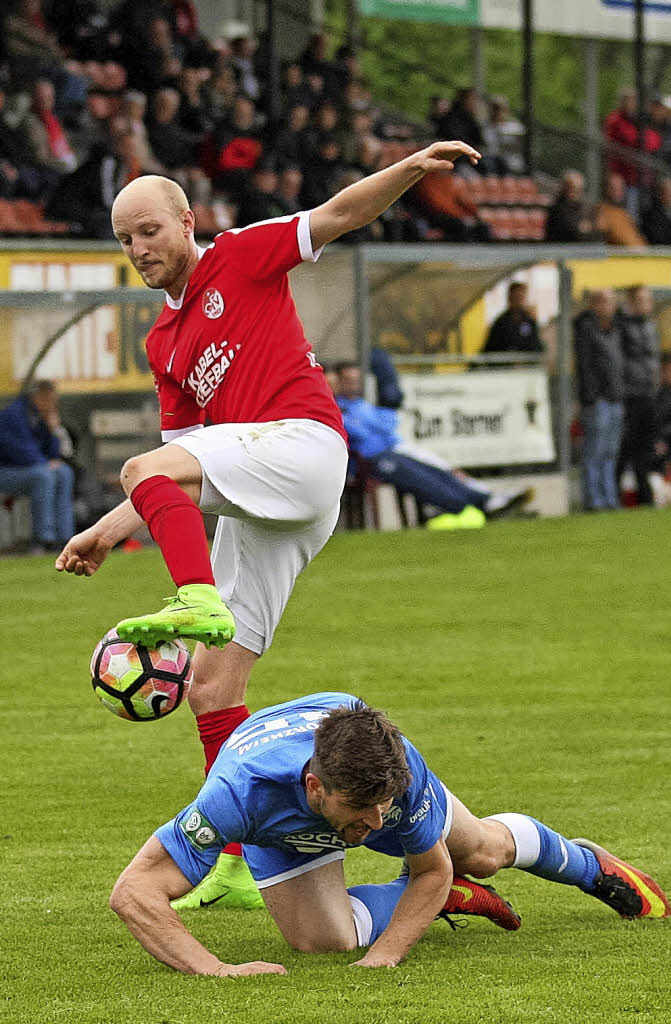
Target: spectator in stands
{"points": [[292, 143], [260, 200], [84, 199], [359, 134], [515, 330], [289, 189], [20, 177], [321, 172], [297, 92], [133, 109], [148, 51], [656, 222], [503, 139], [242, 59], [219, 94], [642, 372], [622, 129], [193, 115], [568, 218], [600, 381], [325, 121], [46, 136], [172, 145], [374, 437], [439, 108], [314, 63], [612, 218], [30, 464], [444, 200], [461, 121], [237, 148]]}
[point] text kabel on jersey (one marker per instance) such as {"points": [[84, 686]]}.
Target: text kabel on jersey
{"points": [[209, 371]]}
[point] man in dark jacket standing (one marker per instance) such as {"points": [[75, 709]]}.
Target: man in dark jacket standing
{"points": [[30, 463], [515, 330], [641, 383], [600, 380]]}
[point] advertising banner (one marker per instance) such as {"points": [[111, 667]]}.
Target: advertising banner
{"points": [[599, 19], [450, 12], [483, 418]]}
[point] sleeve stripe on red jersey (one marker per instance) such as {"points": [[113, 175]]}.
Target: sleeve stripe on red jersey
{"points": [[170, 435], [308, 254]]}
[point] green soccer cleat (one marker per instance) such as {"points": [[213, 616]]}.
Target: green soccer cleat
{"points": [[229, 885], [470, 518], [196, 613]]}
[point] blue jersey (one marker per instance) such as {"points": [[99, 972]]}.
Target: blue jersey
{"points": [[254, 794]]}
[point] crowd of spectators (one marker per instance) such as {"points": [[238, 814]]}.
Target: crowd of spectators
{"points": [[90, 99], [624, 398], [635, 206]]}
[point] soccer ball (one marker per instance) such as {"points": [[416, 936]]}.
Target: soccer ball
{"points": [[140, 683]]}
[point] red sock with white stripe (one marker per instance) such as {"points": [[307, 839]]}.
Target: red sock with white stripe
{"points": [[176, 524], [214, 728]]}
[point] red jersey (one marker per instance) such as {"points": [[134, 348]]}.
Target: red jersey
{"points": [[232, 348]]}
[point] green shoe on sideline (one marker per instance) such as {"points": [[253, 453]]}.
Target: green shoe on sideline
{"points": [[229, 885], [196, 613], [470, 518]]}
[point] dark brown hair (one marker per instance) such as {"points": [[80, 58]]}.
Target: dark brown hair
{"points": [[360, 753]]}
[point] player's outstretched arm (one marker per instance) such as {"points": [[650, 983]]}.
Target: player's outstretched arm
{"points": [[359, 204], [85, 552], [429, 886], [141, 898]]}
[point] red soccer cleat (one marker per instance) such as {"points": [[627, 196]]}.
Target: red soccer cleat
{"points": [[469, 897], [627, 890]]}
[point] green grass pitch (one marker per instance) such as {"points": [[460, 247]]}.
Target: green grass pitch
{"points": [[529, 662]]}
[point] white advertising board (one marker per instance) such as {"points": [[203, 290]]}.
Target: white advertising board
{"points": [[480, 418], [600, 19]]}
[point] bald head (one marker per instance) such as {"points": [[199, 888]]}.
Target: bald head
{"points": [[152, 189], [153, 222]]}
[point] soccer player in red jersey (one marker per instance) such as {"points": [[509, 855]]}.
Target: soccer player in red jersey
{"points": [[229, 347]]}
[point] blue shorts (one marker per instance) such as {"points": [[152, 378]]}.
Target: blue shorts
{"points": [[270, 865]]}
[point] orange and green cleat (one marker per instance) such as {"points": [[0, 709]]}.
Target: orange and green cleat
{"points": [[469, 897], [626, 889]]}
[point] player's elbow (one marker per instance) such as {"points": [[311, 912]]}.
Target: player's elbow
{"points": [[125, 897]]}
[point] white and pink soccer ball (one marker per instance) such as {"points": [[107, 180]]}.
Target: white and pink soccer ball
{"points": [[140, 683]]}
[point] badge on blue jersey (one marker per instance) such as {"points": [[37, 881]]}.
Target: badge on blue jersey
{"points": [[199, 831]]}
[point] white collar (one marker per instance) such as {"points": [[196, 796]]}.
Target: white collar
{"points": [[177, 303]]}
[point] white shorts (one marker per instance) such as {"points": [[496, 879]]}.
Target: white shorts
{"points": [[276, 488]]}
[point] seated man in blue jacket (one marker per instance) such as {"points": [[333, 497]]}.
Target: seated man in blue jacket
{"points": [[374, 436], [30, 464]]}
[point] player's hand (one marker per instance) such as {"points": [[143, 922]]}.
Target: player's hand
{"points": [[440, 156], [245, 970], [375, 960], [84, 553]]}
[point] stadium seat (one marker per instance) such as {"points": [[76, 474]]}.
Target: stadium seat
{"points": [[29, 216], [9, 222]]}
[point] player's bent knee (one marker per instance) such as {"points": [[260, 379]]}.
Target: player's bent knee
{"points": [[313, 944]]}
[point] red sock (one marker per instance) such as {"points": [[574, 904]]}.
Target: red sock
{"points": [[176, 524], [214, 728]]}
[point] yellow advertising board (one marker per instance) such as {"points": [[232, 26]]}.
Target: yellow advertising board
{"points": [[104, 352]]}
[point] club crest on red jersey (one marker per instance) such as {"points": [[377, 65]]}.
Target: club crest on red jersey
{"points": [[213, 304]]}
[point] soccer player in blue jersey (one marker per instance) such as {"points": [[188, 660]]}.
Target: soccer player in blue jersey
{"points": [[301, 782]]}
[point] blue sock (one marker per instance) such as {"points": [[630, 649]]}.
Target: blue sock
{"points": [[373, 906], [543, 852]]}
